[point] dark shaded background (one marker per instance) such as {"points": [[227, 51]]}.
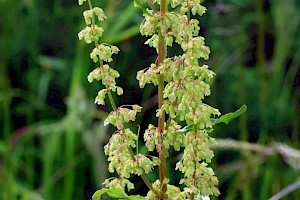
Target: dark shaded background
{"points": [[52, 134]]}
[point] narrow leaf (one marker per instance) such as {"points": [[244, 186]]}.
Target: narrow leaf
{"points": [[138, 3], [223, 119], [117, 193], [97, 195], [113, 193], [136, 197], [230, 116]]}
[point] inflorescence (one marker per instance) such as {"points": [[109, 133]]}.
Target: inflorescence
{"points": [[185, 85]]}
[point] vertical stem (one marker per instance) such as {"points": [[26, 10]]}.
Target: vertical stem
{"points": [[70, 135], [112, 102], [161, 119], [192, 196]]}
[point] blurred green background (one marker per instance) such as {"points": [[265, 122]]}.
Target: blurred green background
{"points": [[52, 134]]}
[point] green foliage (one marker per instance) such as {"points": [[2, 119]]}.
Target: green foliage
{"points": [[230, 116], [116, 193]]}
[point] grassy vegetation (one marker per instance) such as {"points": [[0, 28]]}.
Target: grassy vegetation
{"points": [[52, 134]]}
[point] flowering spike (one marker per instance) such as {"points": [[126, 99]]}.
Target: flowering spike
{"points": [[182, 86]]}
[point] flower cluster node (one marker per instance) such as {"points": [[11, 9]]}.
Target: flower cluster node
{"points": [[122, 115], [149, 75], [151, 137], [91, 34], [106, 74], [120, 158], [120, 183], [103, 52]]}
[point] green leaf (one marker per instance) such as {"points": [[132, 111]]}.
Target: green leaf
{"points": [[139, 4], [116, 193], [97, 195], [223, 119], [230, 116], [136, 197], [113, 193]]}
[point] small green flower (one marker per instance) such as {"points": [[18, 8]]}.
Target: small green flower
{"points": [[100, 97], [95, 74], [136, 108], [107, 75], [103, 52], [122, 115], [88, 15], [99, 13], [119, 91], [175, 3], [80, 2], [118, 183], [148, 76], [150, 25], [153, 41], [151, 137]]}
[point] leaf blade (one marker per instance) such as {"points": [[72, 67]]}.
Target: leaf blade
{"points": [[113, 193], [230, 116]]}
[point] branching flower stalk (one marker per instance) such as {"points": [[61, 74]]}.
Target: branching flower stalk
{"points": [[119, 148], [182, 85]]}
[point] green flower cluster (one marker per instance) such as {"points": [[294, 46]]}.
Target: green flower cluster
{"points": [[182, 85], [119, 148], [121, 115], [173, 192], [103, 52], [120, 158], [91, 34], [191, 5], [171, 138], [186, 85], [120, 183], [197, 176], [108, 76]]}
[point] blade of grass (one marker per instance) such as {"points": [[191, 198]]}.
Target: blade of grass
{"points": [[51, 145], [119, 23], [70, 139], [60, 173], [126, 34]]}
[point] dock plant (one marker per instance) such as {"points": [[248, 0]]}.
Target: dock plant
{"points": [[182, 84]]}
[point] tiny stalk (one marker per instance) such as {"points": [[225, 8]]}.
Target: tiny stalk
{"points": [[182, 85]]}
